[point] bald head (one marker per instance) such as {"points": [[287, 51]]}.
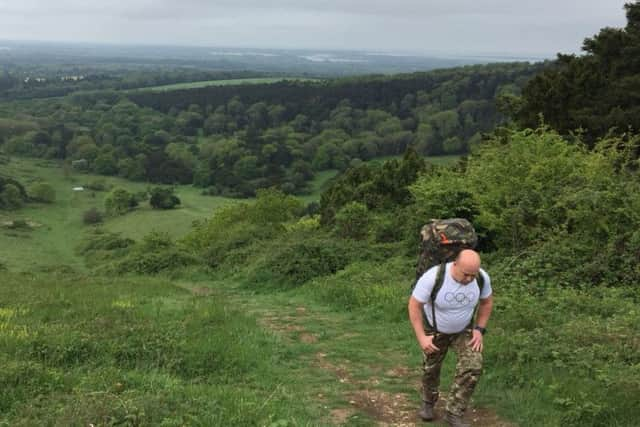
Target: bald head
{"points": [[466, 266], [468, 258]]}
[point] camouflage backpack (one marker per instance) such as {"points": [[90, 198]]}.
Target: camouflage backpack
{"points": [[442, 240]]}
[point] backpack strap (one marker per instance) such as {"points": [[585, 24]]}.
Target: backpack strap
{"points": [[480, 282], [442, 268]]}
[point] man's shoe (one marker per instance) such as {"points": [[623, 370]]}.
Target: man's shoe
{"points": [[455, 420], [426, 412]]}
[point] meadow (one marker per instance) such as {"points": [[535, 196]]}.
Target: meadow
{"points": [[58, 228], [279, 323], [229, 82]]}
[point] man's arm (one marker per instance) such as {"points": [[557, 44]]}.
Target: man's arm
{"points": [[484, 312], [415, 316]]}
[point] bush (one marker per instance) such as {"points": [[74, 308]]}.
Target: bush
{"points": [[143, 262], [274, 207], [92, 216], [163, 198], [96, 185], [378, 287], [531, 191], [236, 226], [156, 253], [119, 201], [352, 221], [42, 192], [11, 197], [299, 257], [103, 240]]}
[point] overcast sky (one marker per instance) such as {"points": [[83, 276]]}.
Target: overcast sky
{"points": [[542, 27]]}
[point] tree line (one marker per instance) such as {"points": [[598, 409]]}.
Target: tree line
{"points": [[235, 140], [592, 94]]}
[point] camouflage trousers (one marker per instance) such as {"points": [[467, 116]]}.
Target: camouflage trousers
{"points": [[468, 371]]}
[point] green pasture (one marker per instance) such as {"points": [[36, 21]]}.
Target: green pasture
{"points": [[446, 160], [58, 227], [177, 222], [318, 185], [229, 82]]}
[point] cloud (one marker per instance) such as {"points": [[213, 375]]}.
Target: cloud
{"points": [[487, 25]]}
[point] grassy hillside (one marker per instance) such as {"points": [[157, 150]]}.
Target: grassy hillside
{"points": [[324, 304], [58, 227], [92, 351]]}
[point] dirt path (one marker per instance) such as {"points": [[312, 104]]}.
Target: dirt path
{"points": [[371, 379]]}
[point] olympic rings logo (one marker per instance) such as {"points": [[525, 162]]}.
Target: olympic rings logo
{"points": [[460, 299]]}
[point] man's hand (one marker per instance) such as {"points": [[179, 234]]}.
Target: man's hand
{"points": [[476, 341], [426, 343]]}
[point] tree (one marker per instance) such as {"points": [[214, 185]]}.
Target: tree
{"points": [[42, 192], [594, 92], [352, 221], [163, 198], [119, 201], [105, 164], [10, 197]]}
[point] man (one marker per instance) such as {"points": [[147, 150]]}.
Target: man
{"points": [[452, 327]]}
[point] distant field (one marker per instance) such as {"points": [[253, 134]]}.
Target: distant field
{"points": [[318, 185], [436, 160], [59, 227], [195, 85]]}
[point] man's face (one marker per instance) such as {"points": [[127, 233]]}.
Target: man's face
{"points": [[463, 274]]}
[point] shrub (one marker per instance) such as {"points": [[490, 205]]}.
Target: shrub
{"points": [[239, 225], [103, 240], [379, 287], [531, 191], [11, 197], [119, 201], [352, 221], [163, 198], [42, 192], [92, 216], [156, 253], [143, 262], [97, 185], [273, 207], [297, 258]]}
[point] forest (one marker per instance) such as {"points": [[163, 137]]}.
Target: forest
{"points": [[233, 140]]}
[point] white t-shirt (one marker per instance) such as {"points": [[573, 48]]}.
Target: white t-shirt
{"points": [[455, 302]]}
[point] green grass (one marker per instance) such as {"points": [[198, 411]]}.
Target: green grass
{"points": [[177, 222], [229, 82], [139, 351], [318, 185], [445, 160], [59, 225]]}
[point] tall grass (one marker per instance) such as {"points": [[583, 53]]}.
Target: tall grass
{"points": [[80, 351]]}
